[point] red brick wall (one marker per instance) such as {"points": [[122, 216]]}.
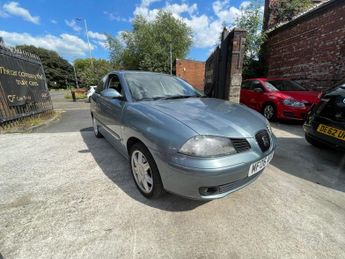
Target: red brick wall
{"points": [[191, 71], [310, 49]]}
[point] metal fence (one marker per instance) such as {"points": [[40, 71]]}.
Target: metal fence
{"points": [[22, 92]]}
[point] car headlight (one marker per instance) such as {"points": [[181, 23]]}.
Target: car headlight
{"points": [[208, 146], [293, 103], [269, 128]]}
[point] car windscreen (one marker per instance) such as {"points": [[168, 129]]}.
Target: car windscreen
{"points": [[284, 85], [146, 86], [338, 88]]}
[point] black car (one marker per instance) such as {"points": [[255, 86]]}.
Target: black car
{"points": [[325, 123]]}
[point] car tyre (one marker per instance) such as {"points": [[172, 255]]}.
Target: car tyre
{"points": [[270, 112], [314, 142], [145, 172], [96, 128]]}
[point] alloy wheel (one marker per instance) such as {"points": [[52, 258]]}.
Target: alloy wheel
{"points": [[142, 171], [269, 111], [95, 126]]}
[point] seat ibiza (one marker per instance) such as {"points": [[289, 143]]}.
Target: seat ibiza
{"points": [[177, 140]]}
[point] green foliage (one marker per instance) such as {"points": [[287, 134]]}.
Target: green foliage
{"points": [[285, 10], [90, 71], [116, 52], [147, 46], [58, 71], [251, 19]]}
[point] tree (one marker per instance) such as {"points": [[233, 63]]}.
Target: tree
{"points": [[116, 52], [90, 75], [147, 46], [251, 19], [58, 71], [285, 10]]}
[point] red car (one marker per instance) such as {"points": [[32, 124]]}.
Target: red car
{"points": [[278, 98]]}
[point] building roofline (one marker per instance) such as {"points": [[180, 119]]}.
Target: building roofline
{"points": [[304, 16], [190, 60]]}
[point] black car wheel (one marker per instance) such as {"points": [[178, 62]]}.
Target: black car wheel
{"points": [[269, 111], [145, 172], [96, 128]]}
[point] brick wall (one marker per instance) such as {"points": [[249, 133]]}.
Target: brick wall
{"points": [[311, 48], [191, 71]]}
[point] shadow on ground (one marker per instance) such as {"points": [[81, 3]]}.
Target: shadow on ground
{"points": [[322, 166], [116, 168], [293, 127]]}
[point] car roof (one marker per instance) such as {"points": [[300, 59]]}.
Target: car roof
{"points": [[138, 72], [266, 78]]}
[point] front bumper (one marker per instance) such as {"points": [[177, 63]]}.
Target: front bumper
{"points": [[310, 130], [292, 113], [207, 179]]}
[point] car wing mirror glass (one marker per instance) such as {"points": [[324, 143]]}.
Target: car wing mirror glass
{"points": [[111, 93], [258, 90]]}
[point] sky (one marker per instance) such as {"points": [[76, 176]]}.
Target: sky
{"points": [[59, 25]]}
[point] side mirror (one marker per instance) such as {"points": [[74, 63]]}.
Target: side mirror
{"points": [[111, 93], [258, 90]]}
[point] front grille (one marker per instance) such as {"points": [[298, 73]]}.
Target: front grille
{"points": [[229, 187], [263, 139], [234, 185], [240, 144], [289, 114]]}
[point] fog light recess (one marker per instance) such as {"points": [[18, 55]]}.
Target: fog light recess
{"points": [[206, 191]]}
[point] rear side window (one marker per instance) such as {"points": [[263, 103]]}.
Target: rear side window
{"points": [[100, 85], [256, 84], [246, 85]]}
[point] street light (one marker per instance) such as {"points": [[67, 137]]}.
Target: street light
{"points": [[87, 37], [75, 76], [171, 59]]}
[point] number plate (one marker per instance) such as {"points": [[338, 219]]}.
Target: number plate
{"points": [[259, 165], [330, 131]]}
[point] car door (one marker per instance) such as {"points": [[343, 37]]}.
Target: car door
{"points": [[96, 100], [257, 94], [245, 94], [112, 111], [249, 95]]}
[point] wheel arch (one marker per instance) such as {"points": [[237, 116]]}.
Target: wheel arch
{"points": [[266, 103], [132, 141]]}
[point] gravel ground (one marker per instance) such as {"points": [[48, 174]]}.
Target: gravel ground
{"points": [[67, 194]]}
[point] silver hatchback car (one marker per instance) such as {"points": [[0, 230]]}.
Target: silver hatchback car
{"points": [[176, 139]]}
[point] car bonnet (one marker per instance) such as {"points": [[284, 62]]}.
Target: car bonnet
{"points": [[209, 116]]}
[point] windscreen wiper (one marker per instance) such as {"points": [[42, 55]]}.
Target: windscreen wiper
{"points": [[150, 98], [179, 97], [169, 97]]}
